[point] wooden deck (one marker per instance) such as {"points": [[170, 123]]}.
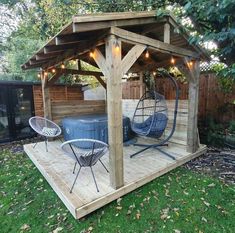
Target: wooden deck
{"points": [[57, 170]]}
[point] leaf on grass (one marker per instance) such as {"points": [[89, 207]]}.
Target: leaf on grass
{"points": [[204, 219], [211, 185], [119, 201], [177, 231], [90, 229], [186, 193], [206, 203], [138, 215], [25, 227], [167, 193], [128, 212], [118, 207], [164, 214]]}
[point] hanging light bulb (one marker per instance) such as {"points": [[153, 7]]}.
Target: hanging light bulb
{"points": [[45, 73], [39, 75], [91, 54], [146, 54], [62, 66], [190, 63], [154, 73], [172, 60], [117, 47], [53, 70]]}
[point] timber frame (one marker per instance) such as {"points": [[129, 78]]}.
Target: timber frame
{"points": [[118, 42]]}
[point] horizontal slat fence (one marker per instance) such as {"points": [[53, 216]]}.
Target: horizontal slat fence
{"points": [[212, 101], [57, 94], [63, 109]]}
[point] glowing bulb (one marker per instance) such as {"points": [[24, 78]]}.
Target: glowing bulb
{"points": [[147, 54], [172, 60], [117, 47], [154, 73], [62, 66], [91, 54], [190, 63], [45, 73], [39, 76], [53, 70]]}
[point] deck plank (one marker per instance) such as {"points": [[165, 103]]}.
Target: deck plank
{"points": [[143, 168]]}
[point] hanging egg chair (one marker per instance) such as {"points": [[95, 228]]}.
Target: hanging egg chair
{"points": [[151, 117]]}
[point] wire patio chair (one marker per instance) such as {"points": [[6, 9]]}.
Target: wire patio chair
{"points": [[45, 128], [86, 153]]}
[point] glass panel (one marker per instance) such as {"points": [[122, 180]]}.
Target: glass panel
{"points": [[4, 125], [22, 107]]}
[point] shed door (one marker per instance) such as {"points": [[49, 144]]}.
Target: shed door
{"points": [[4, 115]]}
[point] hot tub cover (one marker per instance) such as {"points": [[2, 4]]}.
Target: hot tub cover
{"points": [[93, 126]]}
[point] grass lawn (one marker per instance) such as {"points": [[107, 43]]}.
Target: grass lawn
{"points": [[181, 201]]}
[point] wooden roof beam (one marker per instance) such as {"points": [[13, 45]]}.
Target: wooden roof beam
{"points": [[131, 37], [43, 56], [91, 26]]}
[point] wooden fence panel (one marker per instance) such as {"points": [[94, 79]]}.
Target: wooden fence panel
{"points": [[212, 101], [75, 108], [57, 94]]}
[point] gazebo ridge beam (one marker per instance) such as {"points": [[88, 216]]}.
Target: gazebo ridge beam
{"points": [[131, 37]]}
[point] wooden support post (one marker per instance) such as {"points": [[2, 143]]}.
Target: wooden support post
{"points": [[114, 107], [167, 31], [46, 97], [113, 68], [192, 72], [141, 84]]}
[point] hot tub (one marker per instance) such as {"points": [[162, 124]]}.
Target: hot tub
{"points": [[92, 127]]}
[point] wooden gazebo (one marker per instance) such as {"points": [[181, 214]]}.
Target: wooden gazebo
{"points": [[116, 43]]}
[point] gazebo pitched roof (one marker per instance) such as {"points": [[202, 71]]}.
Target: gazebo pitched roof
{"points": [[86, 32]]}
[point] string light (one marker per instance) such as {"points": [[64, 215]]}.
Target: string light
{"points": [[117, 47], [146, 54], [39, 75], [190, 63], [45, 73], [154, 73], [62, 66], [172, 60], [91, 54], [53, 70]]}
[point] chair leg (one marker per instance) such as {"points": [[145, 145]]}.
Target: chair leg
{"points": [[74, 167], [94, 179], [104, 165], [35, 144], [75, 179], [46, 142]]}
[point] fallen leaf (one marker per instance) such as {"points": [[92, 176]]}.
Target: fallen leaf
{"points": [[177, 231], [204, 219], [58, 229], [25, 227], [206, 203], [90, 229], [128, 212], [138, 215], [119, 201]]}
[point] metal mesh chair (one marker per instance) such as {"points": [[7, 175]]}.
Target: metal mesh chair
{"points": [[45, 128], [86, 153]]}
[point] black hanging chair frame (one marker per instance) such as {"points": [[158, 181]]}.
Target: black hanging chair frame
{"points": [[164, 141]]}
